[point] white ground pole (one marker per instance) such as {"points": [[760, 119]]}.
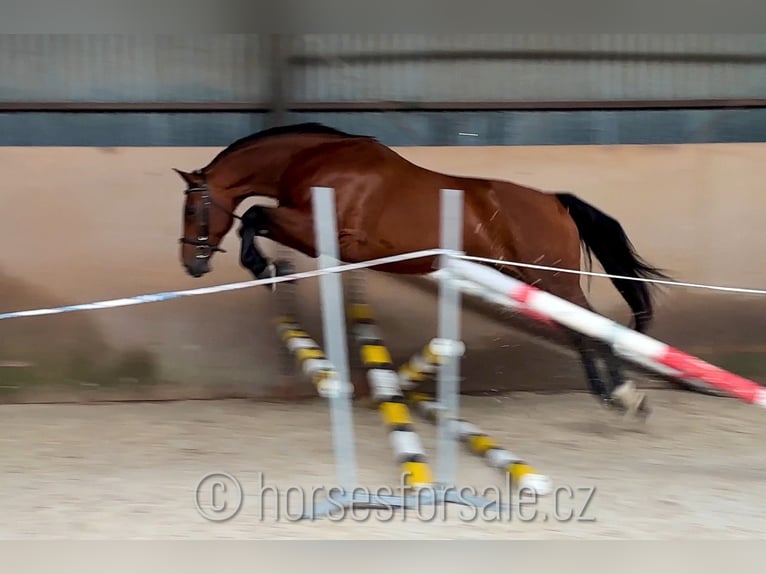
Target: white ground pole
{"points": [[333, 323]]}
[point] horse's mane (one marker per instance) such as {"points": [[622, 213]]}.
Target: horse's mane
{"points": [[293, 129]]}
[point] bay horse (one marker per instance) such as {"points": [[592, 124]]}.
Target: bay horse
{"points": [[386, 206]]}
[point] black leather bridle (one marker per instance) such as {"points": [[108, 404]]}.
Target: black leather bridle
{"points": [[203, 248]]}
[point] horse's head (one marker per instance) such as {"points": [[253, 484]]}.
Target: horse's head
{"points": [[207, 217]]}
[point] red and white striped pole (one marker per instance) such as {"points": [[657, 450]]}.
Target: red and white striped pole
{"points": [[597, 326]]}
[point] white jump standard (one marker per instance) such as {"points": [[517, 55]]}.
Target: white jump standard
{"points": [[339, 393]]}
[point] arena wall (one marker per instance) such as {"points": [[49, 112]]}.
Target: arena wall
{"points": [[82, 224]]}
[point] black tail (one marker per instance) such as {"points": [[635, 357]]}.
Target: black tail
{"points": [[606, 239]]}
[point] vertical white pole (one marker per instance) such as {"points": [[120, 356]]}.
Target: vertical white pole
{"points": [[448, 381], [334, 329]]}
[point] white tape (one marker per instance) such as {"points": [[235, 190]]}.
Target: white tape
{"points": [[155, 297], [459, 265], [493, 262]]}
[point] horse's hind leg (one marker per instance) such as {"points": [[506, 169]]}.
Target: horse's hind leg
{"points": [[623, 395], [613, 390], [589, 358]]}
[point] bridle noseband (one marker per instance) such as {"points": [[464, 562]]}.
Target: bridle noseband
{"points": [[203, 248]]}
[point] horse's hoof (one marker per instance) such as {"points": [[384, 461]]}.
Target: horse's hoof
{"points": [[278, 268], [644, 410], [282, 268], [630, 401], [269, 272], [612, 404]]}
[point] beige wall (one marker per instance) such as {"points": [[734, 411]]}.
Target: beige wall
{"points": [[84, 224]]}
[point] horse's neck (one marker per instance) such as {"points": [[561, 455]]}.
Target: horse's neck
{"points": [[257, 170]]}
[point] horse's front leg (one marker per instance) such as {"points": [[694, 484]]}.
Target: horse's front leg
{"points": [[294, 229], [255, 224], [290, 227], [250, 256]]}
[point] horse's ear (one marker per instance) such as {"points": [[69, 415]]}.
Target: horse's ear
{"points": [[189, 178]]}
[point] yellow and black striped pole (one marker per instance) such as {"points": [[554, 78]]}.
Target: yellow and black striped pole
{"points": [[385, 390], [309, 356], [421, 368]]}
